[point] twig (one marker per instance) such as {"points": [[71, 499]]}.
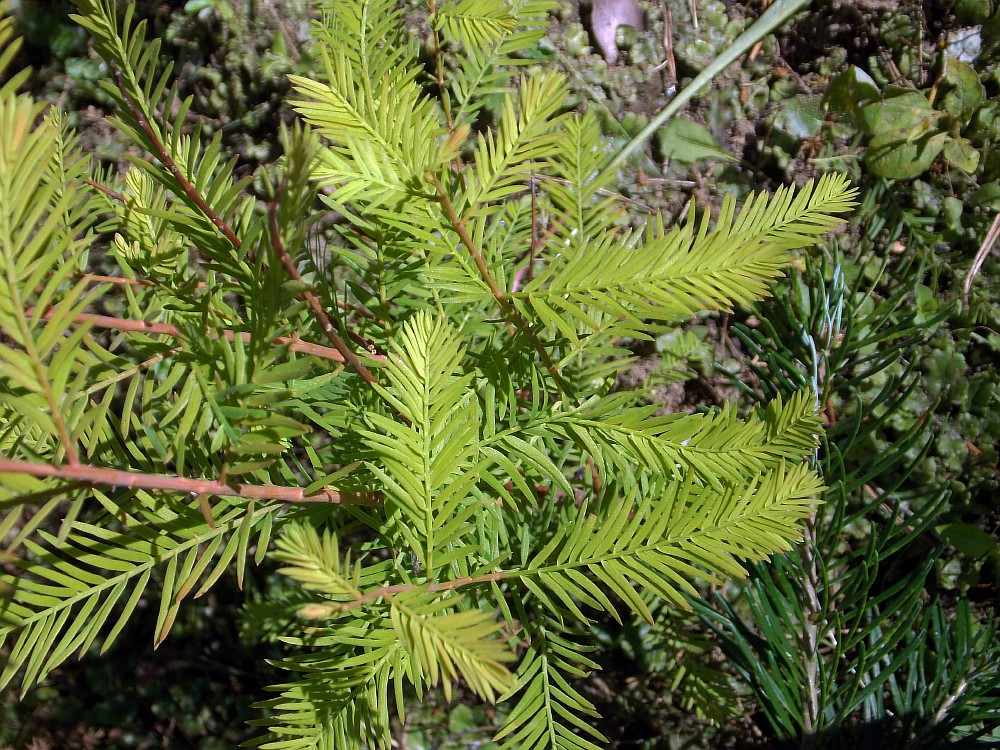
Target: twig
{"points": [[812, 609], [439, 71], [920, 737], [167, 329], [98, 475], [195, 197], [526, 269], [984, 250], [534, 229], [189, 190], [510, 312], [107, 191], [171, 165], [314, 304], [669, 61], [384, 591]]}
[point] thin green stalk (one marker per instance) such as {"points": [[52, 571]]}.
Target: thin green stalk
{"points": [[779, 12]]}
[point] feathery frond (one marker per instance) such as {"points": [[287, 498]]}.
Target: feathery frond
{"points": [[445, 643], [41, 222], [522, 142], [429, 463], [484, 70], [475, 23], [575, 186], [664, 540], [549, 714], [675, 274], [69, 590]]}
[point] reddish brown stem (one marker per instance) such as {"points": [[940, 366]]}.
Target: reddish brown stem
{"points": [[439, 71], [314, 304], [534, 229], [514, 318], [161, 151], [167, 329], [98, 475], [114, 194], [195, 197]]}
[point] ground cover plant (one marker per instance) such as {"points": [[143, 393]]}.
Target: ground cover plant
{"points": [[866, 646]]}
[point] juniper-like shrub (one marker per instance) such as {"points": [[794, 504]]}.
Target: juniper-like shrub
{"points": [[386, 364]]}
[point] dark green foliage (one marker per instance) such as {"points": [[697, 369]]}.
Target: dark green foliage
{"points": [[840, 640]]}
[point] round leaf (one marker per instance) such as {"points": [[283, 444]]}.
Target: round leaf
{"points": [[966, 93], [849, 91], [899, 159], [800, 118], [961, 154], [969, 540], [899, 116]]}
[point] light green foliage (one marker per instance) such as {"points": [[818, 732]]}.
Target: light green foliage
{"points": [[455, 499]]}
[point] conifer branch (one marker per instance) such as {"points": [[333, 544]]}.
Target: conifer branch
{"points": [[113, 194], [388, 591], [21, 316], [457, 418], [121, 280], [101, 476], [170, 164], [514, 318], [189, 190], [166, 329], [314, 304]]}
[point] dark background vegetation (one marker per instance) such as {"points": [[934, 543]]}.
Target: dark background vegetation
{"points": [[910, 391]]}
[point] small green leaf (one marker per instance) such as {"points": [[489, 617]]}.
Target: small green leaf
{"points": [[926, 303], [686, 141], [961, 154], [461, 718], [965, 91], [972, 12], [901, 159], [294, 286], [850, 91], [952, 210], [200, 7], [901, 116], [799, 118], [967, 539], [987, 196]]}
